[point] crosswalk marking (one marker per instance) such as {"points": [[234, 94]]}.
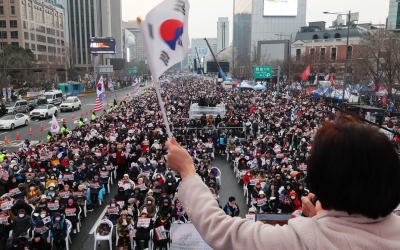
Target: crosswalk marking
{"points": [[16, 144]]}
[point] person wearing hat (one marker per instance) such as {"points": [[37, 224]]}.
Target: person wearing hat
{"points": [[52, 191], [21, 224], [143, 231], [95, 186], [150, 206], [34, 194], [58, 231], [122, 225], [39, 243], [122, 196], [52, 180], [16, 243], [231, 208]]}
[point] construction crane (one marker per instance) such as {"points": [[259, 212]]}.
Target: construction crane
{"points": [[215, 59], [198, 58]]}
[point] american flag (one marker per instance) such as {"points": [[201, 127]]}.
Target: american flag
{"points": [[98, 105]]}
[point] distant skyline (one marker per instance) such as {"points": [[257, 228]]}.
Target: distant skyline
{"points": [[203, 15]]}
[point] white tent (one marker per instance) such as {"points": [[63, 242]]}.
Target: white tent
{"points": [[259, 87], [245, 85]]}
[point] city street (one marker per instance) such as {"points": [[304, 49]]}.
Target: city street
{"points": [[87, 105], [85, 239]]}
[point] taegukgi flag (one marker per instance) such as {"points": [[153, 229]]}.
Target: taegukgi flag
{"points": [[165, 35]]}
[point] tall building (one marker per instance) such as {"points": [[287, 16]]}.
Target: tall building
{"points": [[33, 25], [138, 52], [202, 50], [222, 33], [87, 19], [255, 21], [393, 21]]}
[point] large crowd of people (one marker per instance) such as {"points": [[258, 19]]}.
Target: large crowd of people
{"points": [[47, 189]]}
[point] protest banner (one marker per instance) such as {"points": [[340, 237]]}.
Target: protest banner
{"points": [[143, 222], [5, 205], [251, 217], [3, 219], [261, 201], [160, 233], [70, 211], [112, 210], [63, 194], [77, 194], [27, 174], [53, 205], [120, 203], [185, 236], [126, 185], [141, 186], [253, 182], [103, 174], [33, 199], [94, 185], [68, 176], [14, 191], [34, 94]]}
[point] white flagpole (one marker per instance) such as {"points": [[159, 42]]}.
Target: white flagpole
{"points": [[163, 112]]}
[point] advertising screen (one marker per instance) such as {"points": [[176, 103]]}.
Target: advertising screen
{"points": [[102, 46], [280, 7]]}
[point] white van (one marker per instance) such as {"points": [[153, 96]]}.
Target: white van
{"points": [[54, 97]]}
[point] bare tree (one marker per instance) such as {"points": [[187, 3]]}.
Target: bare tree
{"points": [[379, 56]]}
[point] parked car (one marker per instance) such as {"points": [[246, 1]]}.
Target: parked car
{"points": [[12, 121], [71, 103], [44, 111], [33, 103], [20, 106], [142, 84]]}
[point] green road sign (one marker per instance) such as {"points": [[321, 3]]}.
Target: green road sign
{"points": [[262, 72], [133, 70]]}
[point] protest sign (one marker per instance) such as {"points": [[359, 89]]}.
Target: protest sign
{"points": [[141, 186], [77, 194], [253, 182], [70, 211], [160, 233], [63, 194], [251, 217], [14, 191], [68, 176], [143, 222], [94, 185], [126, 185], [112, 210], [33, 199], [132, 231], [261, 201], [103, 174], [46, 220], [120, 203], [5, 205], [185, 236], [3, 219], [53, 205]]}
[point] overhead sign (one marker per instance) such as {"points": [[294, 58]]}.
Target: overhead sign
{"points": [[262, 72], [102, 46], [133, 70], [280, 7]]}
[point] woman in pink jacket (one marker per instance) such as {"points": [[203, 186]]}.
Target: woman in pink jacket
{"points": [[350, 162]]}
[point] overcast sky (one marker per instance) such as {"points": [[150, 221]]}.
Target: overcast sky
{"points": [[203, 15]]}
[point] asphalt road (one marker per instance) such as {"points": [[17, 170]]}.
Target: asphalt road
{"points": [[87, 106]]}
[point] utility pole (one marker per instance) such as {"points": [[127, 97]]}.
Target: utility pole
{"points": [[346, 60]]}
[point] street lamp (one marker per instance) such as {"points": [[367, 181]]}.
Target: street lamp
{"points": [[347, 51], [290, 51]]}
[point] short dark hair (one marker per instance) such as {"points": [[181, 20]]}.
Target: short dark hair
{"points": [[232, 198], [352, 163]]}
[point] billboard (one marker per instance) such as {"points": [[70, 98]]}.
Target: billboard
{"points": [[212, 67], [102, 46], [280, 7]]}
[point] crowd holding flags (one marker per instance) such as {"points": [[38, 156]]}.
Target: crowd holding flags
{"points": [[166, 40]]}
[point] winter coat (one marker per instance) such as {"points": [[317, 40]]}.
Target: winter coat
{"points": [[121, 227], [318, 232], [21, 225], [151, 208]]}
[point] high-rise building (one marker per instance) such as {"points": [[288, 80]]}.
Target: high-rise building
{"points": [[138, 53], [203, 51], [33, 25], [257, 21], [222, 33], [393, 21], [87, 19]]}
